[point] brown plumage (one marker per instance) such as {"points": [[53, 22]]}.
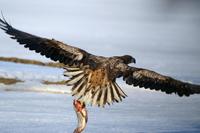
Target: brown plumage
{"points": [[93, 78]]}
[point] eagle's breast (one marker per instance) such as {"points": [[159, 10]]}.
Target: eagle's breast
{"points": [[98, 77]]}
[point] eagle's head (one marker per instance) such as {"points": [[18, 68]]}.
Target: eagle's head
{"points": [[128, 59]]}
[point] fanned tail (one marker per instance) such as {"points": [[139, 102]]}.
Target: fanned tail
{"points": [[100, 92]]}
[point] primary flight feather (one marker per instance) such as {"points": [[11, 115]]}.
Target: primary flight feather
{"points": [[93, 78]]}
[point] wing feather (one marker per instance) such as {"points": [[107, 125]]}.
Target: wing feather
{"points": [[151, 80], [51, 48]]}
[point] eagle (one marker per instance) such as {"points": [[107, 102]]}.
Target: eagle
{"points": [[92, 77]]}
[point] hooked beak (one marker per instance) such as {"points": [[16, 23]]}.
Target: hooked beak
{"points": [[133, 60]]}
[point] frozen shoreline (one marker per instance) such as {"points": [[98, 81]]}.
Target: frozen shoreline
{"points": [[36, 87]]}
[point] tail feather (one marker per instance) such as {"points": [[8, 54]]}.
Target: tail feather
{"points": [[111, 93], [94, 99], [72, 68], [80, 92], [109, 96], [72, 73], [92, 93], [116, 96], [76, 87], [75, 79], [117, 91], [101, 102], [105, 96], [99, 96], [87, 97], [121, 92]]}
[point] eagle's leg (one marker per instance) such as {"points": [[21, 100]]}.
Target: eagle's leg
{"points": [[82, 116]]}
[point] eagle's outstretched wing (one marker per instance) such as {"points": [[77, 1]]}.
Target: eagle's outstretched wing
{"points": [[51, 48], [154, 81]]}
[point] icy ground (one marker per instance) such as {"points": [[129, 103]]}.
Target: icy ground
{"points": [[30, 72], [29, 112], [27, 108]]}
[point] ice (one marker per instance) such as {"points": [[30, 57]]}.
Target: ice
{"points": [[33, 76], [36, 87], [141, 112], [30, 72], [30, 107]]}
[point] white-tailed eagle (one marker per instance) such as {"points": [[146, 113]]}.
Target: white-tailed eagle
{"points": [[93, 78]]}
